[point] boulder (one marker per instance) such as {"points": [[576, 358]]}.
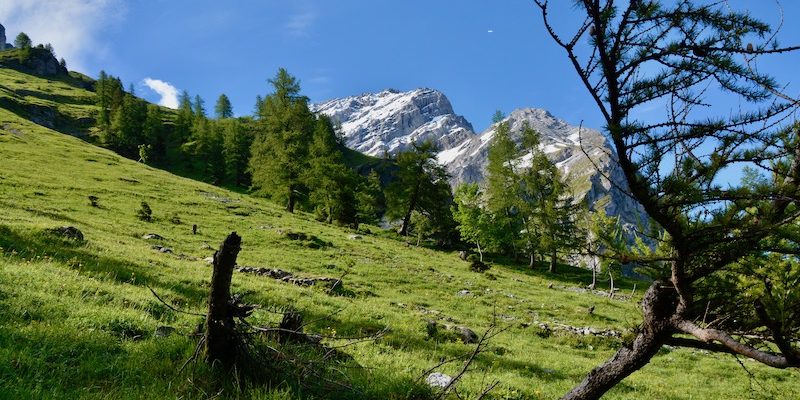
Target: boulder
{"points": [[438, 380]]}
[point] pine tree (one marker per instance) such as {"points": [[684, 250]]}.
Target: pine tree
{"points": [[280, 148], [223, 108]]}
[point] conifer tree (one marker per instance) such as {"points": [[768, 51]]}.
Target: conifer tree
{"points": [[474, 222], [281, 146], [236, 143], [223, 109], [502, 189], [420, 185], [332, 185], [23, 41]]}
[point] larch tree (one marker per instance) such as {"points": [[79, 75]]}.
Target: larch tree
{"points": [[475, 224], [223, 108], [729, 250], [280, 149], [502, 188], [420, 185]]}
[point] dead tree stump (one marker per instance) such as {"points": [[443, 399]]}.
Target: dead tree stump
{"points": [[194, 229], [220, 334]]}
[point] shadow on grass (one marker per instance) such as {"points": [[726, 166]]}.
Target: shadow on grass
{"points": [[80, 257]]}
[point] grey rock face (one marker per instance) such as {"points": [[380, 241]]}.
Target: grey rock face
{"points": [[2, 38], [390, 121]]}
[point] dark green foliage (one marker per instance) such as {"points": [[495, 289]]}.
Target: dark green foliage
{"points": [[145, 213], [223, 108], [281, 145], [23, 41], [332, 185], [421, 185]]}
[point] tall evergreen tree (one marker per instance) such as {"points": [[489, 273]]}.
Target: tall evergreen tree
{"points": [[420, 185], [281, 145], [236, 143], [502, 189], [223, 109]]}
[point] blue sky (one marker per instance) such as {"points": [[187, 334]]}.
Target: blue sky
{"points": [[484, 55]]}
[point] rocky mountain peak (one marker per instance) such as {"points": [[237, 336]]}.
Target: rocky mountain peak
{"points": [[390, 120]]}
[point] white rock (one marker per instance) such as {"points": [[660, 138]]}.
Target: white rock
{"points": [[438, 380]]}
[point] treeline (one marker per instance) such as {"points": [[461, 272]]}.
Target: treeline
{"points": [[296, 158]]}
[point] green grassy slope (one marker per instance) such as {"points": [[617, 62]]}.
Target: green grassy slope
{"points": [[77, 320]]}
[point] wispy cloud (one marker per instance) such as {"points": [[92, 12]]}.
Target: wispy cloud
{"points": [[71, 26], [300, 24], [168, 93]]}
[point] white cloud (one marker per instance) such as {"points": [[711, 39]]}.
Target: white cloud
{"points": [[300, 24], [168, 93], [71, 26]]}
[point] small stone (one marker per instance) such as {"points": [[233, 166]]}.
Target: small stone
{"points": [[355, 237], [468, 336], [164, 331], [152, 236], [438, 380], [464, 292], [209, 260]]}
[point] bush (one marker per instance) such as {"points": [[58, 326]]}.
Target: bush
{"points": [[145, 212]]}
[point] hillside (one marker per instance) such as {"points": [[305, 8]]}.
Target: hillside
{"points": [[77, 320]]}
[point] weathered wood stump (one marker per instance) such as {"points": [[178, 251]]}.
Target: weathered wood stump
{"points": [[220, 334]]}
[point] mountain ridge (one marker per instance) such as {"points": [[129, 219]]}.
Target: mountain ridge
{"points": [[389, 121]]}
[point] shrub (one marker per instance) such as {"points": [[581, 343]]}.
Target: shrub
{"points": [[145, 212]]}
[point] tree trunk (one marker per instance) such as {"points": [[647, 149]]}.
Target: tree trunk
{"points": [[553, 260], [290, 203], [480, 253], [220, 335], [658, 307], [532, 263]]}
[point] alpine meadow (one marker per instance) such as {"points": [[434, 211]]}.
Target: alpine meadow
{"points": [[284, 237]]}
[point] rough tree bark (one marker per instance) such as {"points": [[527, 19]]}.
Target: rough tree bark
{"points": [[220, 327], [658, 307]]}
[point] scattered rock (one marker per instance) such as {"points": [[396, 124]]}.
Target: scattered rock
{"points": [[453, 332], [468, 336], [464, 292], [205, 246], [463, 255], [285, 276], [209, 260], [161, 249], [68, 232], [550, 285], [355, 237], [152, 236], [438, 380], [164, 331]]}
